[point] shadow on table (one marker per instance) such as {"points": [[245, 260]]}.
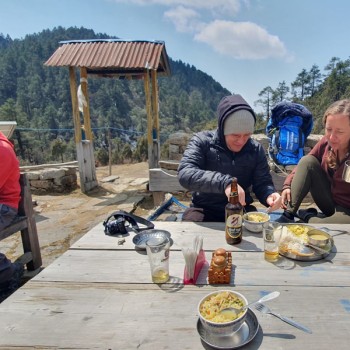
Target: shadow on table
{"points": [[174, 284], [257, 341]]}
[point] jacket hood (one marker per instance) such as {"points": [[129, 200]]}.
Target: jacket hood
{"points": [[227, 106]]}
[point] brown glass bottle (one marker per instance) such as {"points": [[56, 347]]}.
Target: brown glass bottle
{"points": [[233, 216]]}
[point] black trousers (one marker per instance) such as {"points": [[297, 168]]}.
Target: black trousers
{"points": [[204, 215]]}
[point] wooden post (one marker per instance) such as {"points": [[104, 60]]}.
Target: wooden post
{"points": [[75, 108], [85, 153], [77, 127], [86, 109], [109, 152], [149, 120], [155, 114]]}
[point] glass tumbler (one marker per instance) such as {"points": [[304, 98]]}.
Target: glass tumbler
{"points": [[272, 233], [346, 171], [158, 255]]}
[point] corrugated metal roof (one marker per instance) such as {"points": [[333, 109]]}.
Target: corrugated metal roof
{"points": [[7, 128], [112, 57]]}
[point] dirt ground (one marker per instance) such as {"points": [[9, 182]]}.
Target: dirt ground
{"points": [[63, 218]]}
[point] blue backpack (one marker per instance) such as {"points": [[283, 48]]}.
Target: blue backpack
{"points": [[288, 128]]}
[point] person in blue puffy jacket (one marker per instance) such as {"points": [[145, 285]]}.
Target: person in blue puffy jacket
{"points": [[213, 158]]}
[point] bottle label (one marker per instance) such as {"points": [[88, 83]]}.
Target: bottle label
{"points": [[234, 194], [234, 225]]}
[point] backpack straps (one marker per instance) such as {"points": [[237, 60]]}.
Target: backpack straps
{"points": [[131, 219]]}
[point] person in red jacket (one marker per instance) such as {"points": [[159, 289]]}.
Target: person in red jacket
{"points": [[10, 273], [321, 173]]}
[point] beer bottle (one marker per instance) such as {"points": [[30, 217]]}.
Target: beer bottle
{"points": [[233, 216]]}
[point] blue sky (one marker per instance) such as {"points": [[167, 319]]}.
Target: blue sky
{"points": [[245, 45]]}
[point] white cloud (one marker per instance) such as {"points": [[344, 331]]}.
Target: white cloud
{"points": [[227, 7], [241, 40], [184, 19]]}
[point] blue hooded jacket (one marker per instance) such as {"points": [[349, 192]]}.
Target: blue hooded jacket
{"points": [[207, 166]]}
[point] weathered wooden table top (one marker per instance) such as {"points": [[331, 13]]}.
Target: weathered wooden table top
{"points": [[99, 295]]}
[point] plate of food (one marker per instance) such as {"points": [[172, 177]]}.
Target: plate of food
{"points": [[304, 242]]}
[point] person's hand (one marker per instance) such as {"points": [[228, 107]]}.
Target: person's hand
{"points": [[241, 194], [274, 201], [286, 198]]}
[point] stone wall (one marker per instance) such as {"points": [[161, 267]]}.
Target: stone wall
{"points": [[177, 144], [53, 180], [179, 140]]}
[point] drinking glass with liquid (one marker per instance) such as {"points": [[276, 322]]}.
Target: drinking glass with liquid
{"points": [[158, 256], [272, 233]]}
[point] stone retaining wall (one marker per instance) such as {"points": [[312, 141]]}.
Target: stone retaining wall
{"points": [[53, 180], [179, 140]]}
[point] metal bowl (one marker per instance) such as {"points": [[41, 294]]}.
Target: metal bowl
{"points": [[224, 328], [318, 238], [142, 237], [253, 225]]}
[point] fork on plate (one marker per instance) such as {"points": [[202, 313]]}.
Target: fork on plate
{"points": [[266, 310]]}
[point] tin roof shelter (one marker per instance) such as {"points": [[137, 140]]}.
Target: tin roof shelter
{"points": [[7, 128], [112, 58]]}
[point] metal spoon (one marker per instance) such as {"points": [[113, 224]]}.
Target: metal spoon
{"points": [[320, 250], [232, 311]]}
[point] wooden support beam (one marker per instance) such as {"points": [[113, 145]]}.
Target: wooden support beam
{"points": [[155, 103], [86, 109], [75, 107], [149, 118], [155, 115]]}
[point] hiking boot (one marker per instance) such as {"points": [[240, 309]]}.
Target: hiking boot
{"points": [[306, 214], [286, 218], [13, 283]]}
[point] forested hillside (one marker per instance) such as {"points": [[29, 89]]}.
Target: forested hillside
{"points": [[314, 88], [38, 99]]}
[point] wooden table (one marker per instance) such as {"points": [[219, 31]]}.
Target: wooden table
{"points": [[99, 295]]}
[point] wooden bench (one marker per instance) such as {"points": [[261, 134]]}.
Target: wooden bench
{"points": [[25, 222], [161, 182]]}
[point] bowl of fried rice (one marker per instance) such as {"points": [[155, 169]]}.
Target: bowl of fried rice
{"points": [[255, 220], [209, 310]]}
